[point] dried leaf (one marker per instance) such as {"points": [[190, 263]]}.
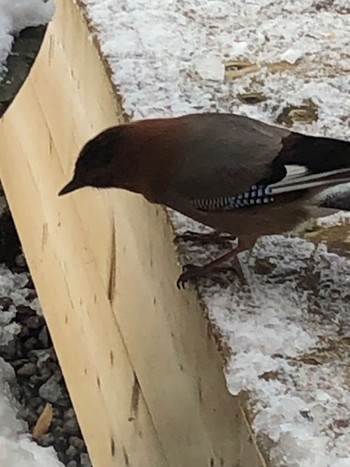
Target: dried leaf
{"points": [[43, 423]]}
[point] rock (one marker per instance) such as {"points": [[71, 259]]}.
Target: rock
{"points": [[77, 442], [24, 312], [5, 303], [72, 464], [9, 351], [71, 427], [30, 344], [28, 369], [60, 443], [46, 440], [85, 460], [71, 452], [20, 261], [44, 337], [36, 402], [69, 414], [18, 363], [51, 391], [35, 322]]}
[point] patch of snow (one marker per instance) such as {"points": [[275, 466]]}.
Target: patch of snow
{"points": [[16, 15], [152, 48]]}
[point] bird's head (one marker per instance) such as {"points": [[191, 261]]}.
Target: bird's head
{"points": [[105, 161], [138, 156]]}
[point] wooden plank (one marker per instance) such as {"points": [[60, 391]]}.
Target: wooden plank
{"points": [[143, 371]]}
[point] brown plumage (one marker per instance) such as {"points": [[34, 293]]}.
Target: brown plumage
{"points": [[230, 172]]}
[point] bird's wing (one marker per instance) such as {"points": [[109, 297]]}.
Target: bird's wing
{"points": [[226, 154], [293, 185], [230, 161]]}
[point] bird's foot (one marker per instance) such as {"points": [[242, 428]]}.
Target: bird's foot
{"points": [[213, 237], [192, 272]]}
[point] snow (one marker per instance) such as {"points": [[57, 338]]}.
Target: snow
{"points": [[16, 15], [287, 327]]}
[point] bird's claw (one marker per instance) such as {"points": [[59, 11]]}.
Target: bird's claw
{"points": [[190, 272]]}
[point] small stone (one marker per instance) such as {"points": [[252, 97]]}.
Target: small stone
{"points": [[62, 457], [46, 440], [39, 356], [30, 344], [85, 460], [29, 284], [71, 427], [78, 443], [60, 444], [72, 464], [69, 414], [9, 351], [35, 322], [31, 296], [18, 363], [37, 381], [23, 412], [36, 402], [20, 261], [28, 369], [31, 418], [5, 303], [24, 312], [51, 391], [44, 337], [71, 452]]}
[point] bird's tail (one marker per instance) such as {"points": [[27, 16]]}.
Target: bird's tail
{"points": [[304, 180]]}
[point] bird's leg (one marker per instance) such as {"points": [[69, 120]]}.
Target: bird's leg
{"points": [[204, 238], [193, 272]]}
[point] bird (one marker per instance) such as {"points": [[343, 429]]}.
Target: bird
{"points": [[230, 172]]}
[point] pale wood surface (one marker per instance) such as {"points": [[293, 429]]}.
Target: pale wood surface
{"points": [[141, 366]]}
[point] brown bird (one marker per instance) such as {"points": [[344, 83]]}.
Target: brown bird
{"points": [[230, 172]]}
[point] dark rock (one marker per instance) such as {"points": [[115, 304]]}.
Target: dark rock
{"points": [[30, 344], [60, 443], [69, 414], [19, 363], [71, 452], [5, 303], [62, 457], [85, 460], [36, 402], [23, 312], [9, 241], [31, 296], [46, 440], [44, 337], [30, 284], [9, 351], [78, 443], [20, 261], [35, 322], [28, 369], [71, 427]]}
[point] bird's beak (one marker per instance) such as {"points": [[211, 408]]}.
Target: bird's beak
{"points": [[71, 186]]}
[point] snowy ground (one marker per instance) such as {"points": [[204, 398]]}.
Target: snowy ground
{"points": [[16, 447], [287, 328]]}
